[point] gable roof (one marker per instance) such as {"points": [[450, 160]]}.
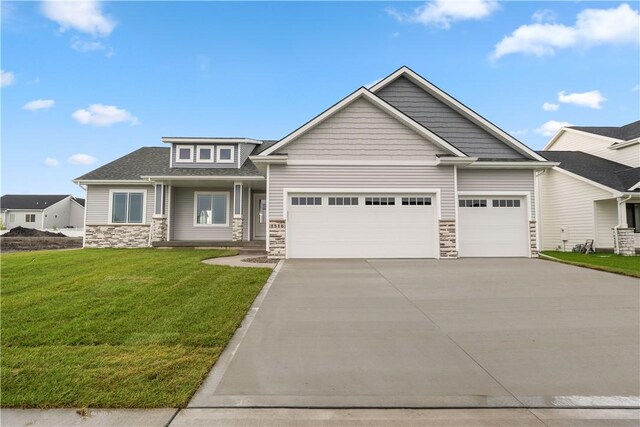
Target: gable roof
{"points": [[613, 175], [499, 134], [364, 93], [625, 133], [30, 201], [78, 200], [154, 161]]}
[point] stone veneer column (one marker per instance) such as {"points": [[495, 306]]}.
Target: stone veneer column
{"points": [[237, 228], [626, 241], [159, 229], [116, 236], [447, 231], [532, 239], [277, 233]]}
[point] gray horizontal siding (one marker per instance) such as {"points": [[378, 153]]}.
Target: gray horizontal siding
{"points": [[498, 180], [361, 131], [282, 176], [194, 164], [97, 203], [183, 214], [445, 121], [245, 151]]}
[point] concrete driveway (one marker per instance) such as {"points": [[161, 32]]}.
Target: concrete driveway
{"points": [[427, 333]]}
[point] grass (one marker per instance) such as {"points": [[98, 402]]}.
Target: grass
{"points": [[116, 327], [627, 265]]}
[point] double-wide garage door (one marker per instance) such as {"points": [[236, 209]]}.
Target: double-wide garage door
{"points": [[361, 226]]}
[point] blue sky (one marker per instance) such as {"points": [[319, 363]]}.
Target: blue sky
{"points": [[83, 85]]}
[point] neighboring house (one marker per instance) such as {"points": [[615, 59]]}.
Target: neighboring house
{"points": [[42, 211], [595, 191], [399, 170]]}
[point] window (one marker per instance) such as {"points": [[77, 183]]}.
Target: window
{"points": [[184, 154], [225, 153], [633, 216], [469, 203], [12, 217], [211, 208], [306, 201], [515, 203], [204, 154], [127, 207], [237, 200], [416, 201], [343, 201], [159, 199], [379, 201], [30, 218]]}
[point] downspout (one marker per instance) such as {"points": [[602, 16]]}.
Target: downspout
{"points": [[616, 246]]}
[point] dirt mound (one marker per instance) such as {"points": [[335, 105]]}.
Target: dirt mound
{"points": [[30, 232]]}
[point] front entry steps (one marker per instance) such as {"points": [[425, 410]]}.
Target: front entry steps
{"points": [[256, 247]]}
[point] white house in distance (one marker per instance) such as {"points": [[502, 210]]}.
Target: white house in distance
{"points": [[42, 211], [595, 191]]}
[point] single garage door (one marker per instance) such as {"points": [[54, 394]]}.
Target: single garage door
{"points": [[361, 226], [493, 227]]}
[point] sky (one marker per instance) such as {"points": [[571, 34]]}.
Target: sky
{"points": [[84, 83]]}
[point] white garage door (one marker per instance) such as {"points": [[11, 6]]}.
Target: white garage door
{"points": [[493, 227], [361, 226]]}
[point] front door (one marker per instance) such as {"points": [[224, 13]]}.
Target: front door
{"points": [[259, 216]]}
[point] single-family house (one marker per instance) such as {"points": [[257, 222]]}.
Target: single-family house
{"points": [[42, 211], [595, 191], [398, 170]]}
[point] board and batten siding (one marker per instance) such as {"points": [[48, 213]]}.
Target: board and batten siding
{"points": [[502, 180], [361, 131], [440, 118], [597, 146], [208, 165], [567, 202], [297, 176], [97, 202]]}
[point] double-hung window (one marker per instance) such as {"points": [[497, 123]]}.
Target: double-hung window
{"points": [[30, 218], [211, 208], [127, 207]]}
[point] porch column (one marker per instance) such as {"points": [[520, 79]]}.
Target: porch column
{"points": [[623, 236], [237, 225]]}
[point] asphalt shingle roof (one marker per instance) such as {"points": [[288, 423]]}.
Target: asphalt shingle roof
{"points": [[611, 174], [625, 133], [30, 201], [154, 161]]}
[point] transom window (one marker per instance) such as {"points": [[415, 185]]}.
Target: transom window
{"points": [[379, 201], [205, 154], [127, 207], [30, 218], [211, 208], [473, 203], [508, 203], [343, 201], [225, 153], [306, 201], [184, 154], [416, 201]]}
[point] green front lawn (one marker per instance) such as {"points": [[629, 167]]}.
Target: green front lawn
{"points": [[628, 265], [116, 327]]}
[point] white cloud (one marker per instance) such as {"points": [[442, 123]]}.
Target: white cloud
{"points": [[442, 13], [592, 99], [551, 127], [6, 78], [52, 163], [592, 27], [81, 159], [83, 46], [549, 106], [39, 104], [519, 132], [85, 16], [544, 15], [104, 115]]}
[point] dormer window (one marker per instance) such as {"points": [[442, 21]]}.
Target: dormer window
{"points": [[225, 154], [184, 154], [204, 154]]}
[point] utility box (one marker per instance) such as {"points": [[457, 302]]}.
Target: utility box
{"points": [[564, 233]]}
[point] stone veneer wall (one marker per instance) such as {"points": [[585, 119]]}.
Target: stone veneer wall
{"points": [[116, 236], [532, 239], [277, 233], [159, 229], [237, 227], [447, 231], [626, 241]]}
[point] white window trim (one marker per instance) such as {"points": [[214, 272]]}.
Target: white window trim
{"points": [[128, 190], [163, 213], [180, 147], [227, 196], [238, 214], [213, 152], [223, 147]]}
